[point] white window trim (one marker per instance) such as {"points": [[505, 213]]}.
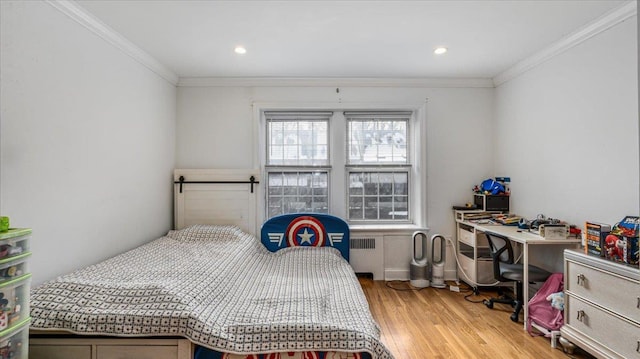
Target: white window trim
{"points": [[418, 178]]}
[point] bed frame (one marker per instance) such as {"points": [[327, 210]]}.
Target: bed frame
{"points": [[201, 202], [59, 345]]}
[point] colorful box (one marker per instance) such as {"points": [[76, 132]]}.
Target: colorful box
{"points": [[595, 234], [621, 244]]}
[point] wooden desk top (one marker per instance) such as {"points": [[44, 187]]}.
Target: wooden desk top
{"points": [[519, 235]]}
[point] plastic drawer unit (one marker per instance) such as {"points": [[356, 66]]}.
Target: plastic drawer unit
{"points": [[14, 342], [13, 267], [14, 301], [14, 242]]}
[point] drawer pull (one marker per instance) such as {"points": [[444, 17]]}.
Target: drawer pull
{"points": [[638, 303], [581, 315], [581, 279], [638, 347]]}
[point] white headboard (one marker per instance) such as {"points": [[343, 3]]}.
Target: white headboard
{"points": [[227, 202]]}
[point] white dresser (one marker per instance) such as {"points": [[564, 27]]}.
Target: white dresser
{"points": [[602, 306]]}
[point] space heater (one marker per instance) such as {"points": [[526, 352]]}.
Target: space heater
{"points": [[437, 270], [419, 269]]}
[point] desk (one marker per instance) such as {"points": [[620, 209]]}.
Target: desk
{"points": [[526, 239]]}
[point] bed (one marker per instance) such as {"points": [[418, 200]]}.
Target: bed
{"points": [[214, 291]]}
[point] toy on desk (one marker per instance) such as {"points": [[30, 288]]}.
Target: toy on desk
{"points": [[575, 231], [490, 186]]}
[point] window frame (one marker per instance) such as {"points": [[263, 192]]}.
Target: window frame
{"points": [[269, 168], [338, 177], [380, 167]]}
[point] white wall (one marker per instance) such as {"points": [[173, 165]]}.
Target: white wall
{"points": [[215, 129], [567, 131], [87, 141]]}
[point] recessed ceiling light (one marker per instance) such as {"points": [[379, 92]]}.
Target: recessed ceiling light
{"points": [[240, 50], [440, 50]]}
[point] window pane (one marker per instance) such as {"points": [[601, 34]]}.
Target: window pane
{"points": [[378, 196], [386, 207], [295, 192], [377, 141], [371, 208], [298, 142], [401, 183], [386, 184]]}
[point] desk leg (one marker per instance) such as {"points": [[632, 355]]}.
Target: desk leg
{"points": [[525, 283]]}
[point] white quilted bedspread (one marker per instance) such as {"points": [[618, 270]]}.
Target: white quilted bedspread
{"points": [[220, 288]]}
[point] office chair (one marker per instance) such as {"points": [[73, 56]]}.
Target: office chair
{"points": [[505, 270]]}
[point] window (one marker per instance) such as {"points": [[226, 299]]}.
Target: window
{"points": [[378, 166], [297, 162], [354, 164]]}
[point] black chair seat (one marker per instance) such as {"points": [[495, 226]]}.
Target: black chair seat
{"points": [[514, 272]]}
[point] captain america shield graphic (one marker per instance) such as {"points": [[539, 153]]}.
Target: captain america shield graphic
{"points": [[305, 231]]}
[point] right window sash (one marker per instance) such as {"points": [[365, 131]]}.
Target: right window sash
{"points": [[378, 166]]}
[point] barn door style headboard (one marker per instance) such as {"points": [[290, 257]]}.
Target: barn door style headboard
{"points": [[215, 196]]}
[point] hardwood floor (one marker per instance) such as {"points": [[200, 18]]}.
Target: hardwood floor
{"points": [[439, 323]]}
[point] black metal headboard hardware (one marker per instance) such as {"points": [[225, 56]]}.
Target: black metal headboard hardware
{"points": [[252, 181]]}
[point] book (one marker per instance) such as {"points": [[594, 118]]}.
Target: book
{"points": [[595, 234]]}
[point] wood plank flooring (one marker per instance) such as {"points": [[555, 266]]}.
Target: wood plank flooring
{"points": [[439, 323]]}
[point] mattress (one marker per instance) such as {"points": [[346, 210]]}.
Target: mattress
{"points": [[220, 288]]}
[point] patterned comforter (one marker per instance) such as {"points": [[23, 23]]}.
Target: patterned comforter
{"points": [[220, 288]]}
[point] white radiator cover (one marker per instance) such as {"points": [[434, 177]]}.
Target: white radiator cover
{"points": [[366, 255]]}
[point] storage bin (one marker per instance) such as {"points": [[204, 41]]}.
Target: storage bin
{"points": [[14, 301], [14, 242], [14, 342], [14, 267]]}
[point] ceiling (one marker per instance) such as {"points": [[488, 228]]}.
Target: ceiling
{"points": [[354, 39]]}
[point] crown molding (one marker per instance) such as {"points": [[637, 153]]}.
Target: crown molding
{"points": [[332, 82], [596, 27], [84, 18]]}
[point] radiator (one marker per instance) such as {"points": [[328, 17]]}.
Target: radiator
{"points": [[366, 255]]}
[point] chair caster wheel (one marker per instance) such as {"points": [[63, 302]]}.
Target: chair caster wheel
{"points": [[514, 317], [488, 303], [567, 346]]}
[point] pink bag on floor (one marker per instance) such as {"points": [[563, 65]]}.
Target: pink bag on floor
{"points": [[540, 309]]}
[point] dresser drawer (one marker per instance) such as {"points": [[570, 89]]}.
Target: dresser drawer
{"points": [[618, 335], [617, 293]]}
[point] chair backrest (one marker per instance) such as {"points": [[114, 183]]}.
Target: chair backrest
{"points": [[501, 251]]}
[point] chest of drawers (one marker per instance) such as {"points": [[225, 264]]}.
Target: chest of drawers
{"points": [[602, 306]]}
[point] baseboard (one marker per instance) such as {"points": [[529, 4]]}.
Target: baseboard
{"points": [[396, 274], [403, 274]]}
